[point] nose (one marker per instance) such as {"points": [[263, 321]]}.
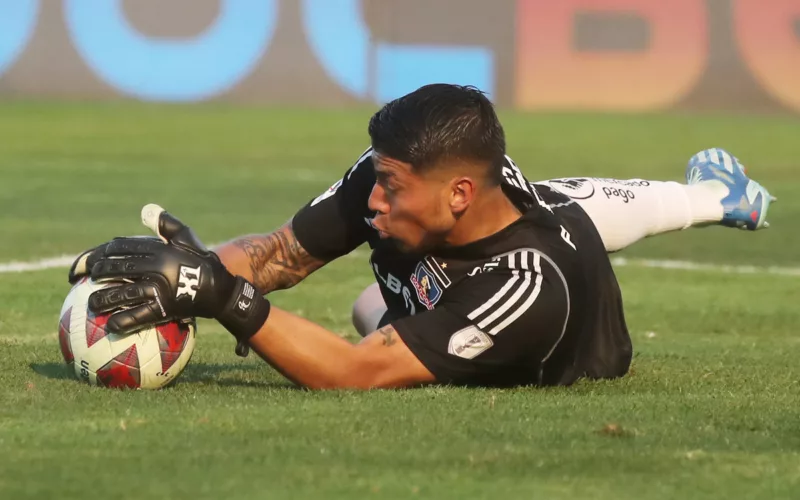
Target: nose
{"points": [[377, 200]]}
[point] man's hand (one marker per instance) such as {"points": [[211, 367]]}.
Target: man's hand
{"points": [[167, 278], [82, 265], [174, 277]]}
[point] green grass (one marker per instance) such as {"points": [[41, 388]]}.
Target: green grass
{"points": [[710, 410]]}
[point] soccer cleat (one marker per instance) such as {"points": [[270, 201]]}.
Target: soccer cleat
{"points": [[747, 202]]}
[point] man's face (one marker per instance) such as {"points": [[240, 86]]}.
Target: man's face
{"points": [[411, 208]]}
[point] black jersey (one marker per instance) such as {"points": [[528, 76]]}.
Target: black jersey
{"points": [[536, 303]]}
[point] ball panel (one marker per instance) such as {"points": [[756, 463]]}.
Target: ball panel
{"points": [[95, 328], [172, 339], [188, 350], [153, 375], [122, 371], [63, 336]]}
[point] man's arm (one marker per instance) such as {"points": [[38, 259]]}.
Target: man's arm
{"points": [[314, 357], [274, 261], [329, 226], [303, 351]]}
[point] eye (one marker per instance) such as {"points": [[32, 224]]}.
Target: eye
{"points": [[385, 181], [391, 188]]}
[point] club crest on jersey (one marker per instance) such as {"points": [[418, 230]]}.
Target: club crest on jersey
{"points": [[428, 290]]}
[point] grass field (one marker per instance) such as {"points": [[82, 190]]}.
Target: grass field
{"points": [[711, 408]]}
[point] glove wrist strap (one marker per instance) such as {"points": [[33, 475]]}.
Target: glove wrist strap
{"points": [[244, 314]]}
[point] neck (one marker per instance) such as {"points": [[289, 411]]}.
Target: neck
{"points": [[488, 214]]}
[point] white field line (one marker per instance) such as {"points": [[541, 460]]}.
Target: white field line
{"points": [[14, 266], [684, 265], [64, 261]]}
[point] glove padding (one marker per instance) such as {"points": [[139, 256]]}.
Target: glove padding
{"points": [[169, 278], [82, 265], [167, 283]]}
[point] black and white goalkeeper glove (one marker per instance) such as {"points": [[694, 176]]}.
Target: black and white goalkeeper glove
{"points": [[172, 277]]}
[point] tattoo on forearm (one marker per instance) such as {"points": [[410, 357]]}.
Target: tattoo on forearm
{"points": [[277, 260], [388, 335]]}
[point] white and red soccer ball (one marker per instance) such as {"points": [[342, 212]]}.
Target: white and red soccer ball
{"points": [[149, 359]]}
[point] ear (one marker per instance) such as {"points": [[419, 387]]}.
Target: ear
{"points": [[462, 193]]}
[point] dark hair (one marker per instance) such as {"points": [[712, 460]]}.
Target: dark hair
{"points": [[438, 122]]}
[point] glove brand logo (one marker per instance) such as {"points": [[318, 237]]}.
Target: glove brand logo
{"points": [[248, 291], [188, 281]]}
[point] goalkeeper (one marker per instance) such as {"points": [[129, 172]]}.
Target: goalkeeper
{"points": [[482, 278]]}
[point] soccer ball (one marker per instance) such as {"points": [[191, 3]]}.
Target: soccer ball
{"points": [[149, 359]]}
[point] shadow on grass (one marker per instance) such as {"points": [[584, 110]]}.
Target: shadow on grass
{"points": [[55, 371], [233, 375], [225, 375]]}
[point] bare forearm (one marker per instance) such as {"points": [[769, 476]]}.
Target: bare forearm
{"points": [[271, 262], [314, 357], [304, 352]]}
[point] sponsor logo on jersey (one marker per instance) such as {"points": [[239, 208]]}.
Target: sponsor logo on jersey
{"points": [[366, 155], [567, 238], [469, 342], [513, 175], [327, 194], [394, 285], [577, 189], [486, 268], [625, 195], [623, 182], [428, 290]]}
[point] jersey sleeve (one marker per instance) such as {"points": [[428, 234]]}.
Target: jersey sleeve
{"points": [[333, 224], [493, 329]]}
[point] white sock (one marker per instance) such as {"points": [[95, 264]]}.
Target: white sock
{"points": [[626, 211]]}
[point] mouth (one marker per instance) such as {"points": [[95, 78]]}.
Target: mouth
{"points": [[383, 234]]}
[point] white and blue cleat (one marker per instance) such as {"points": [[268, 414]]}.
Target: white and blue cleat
{"points": [[747, 202]]}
